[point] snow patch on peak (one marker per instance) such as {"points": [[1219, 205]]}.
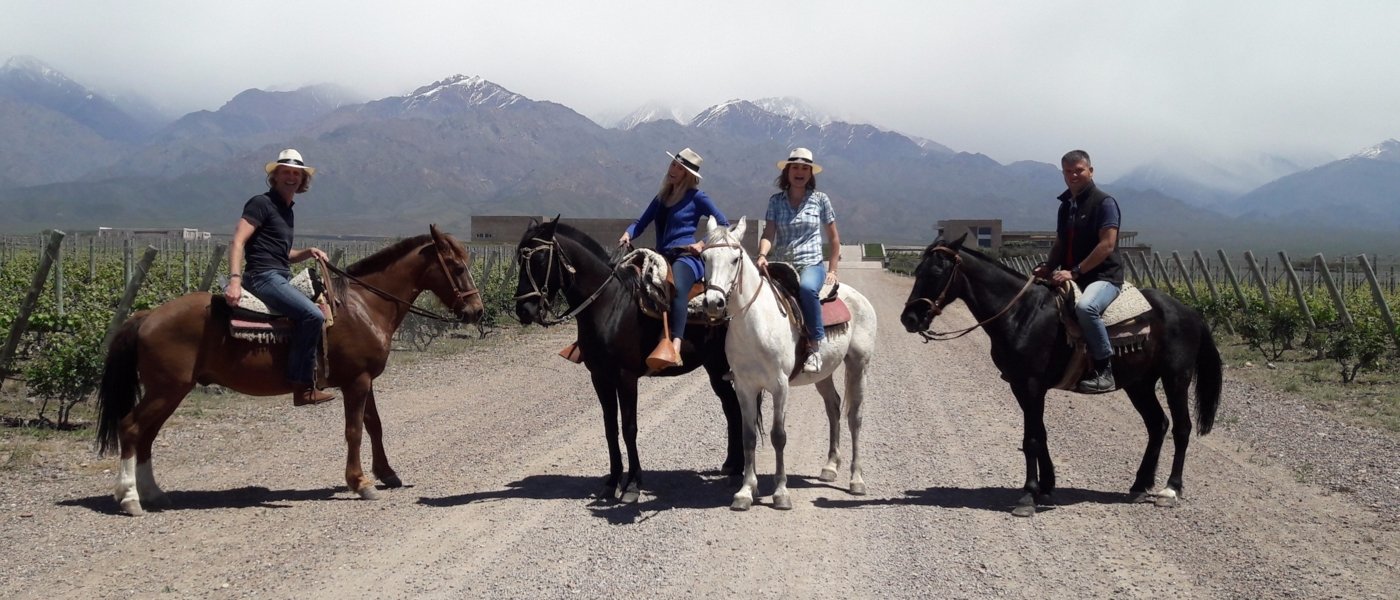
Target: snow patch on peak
{"points": [[473, 90], [794, 108], [28, 65], [1388, 151]]}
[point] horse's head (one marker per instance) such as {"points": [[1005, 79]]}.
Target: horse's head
{"points": [[723, 257], [935, 284], [453, 284], [541, 272]]}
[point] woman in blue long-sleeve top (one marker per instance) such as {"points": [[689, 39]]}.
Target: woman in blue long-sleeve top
{"points": [[676, 210]]}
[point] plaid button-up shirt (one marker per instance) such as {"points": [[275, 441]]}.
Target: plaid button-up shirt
{"points": [[799, 239]]}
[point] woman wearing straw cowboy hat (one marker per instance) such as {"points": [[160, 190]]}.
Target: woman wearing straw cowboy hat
{"points": [[794, 222], [260, 259], [676, 210]]}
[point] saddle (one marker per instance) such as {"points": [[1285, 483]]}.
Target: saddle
{"points": [[835, 313], [1126, 320], [253, 321], [659, 287]]}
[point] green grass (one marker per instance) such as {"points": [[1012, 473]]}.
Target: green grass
{"points": [[873, 250]]}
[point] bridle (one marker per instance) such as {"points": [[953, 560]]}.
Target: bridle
{"points": [[458, 305], [551, 246], [737, 279], [937, 305]]}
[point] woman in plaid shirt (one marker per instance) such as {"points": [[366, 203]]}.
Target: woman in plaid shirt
{"points": [[796, 217]]}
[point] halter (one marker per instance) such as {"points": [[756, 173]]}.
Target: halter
{"points": [[942, 301], [461, 296], [550, 245]]}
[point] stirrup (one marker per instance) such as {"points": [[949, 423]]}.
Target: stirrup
{"points": [[665, 356], [572, 353]]}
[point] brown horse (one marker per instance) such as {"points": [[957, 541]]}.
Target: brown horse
{"points": [[169, 349]]}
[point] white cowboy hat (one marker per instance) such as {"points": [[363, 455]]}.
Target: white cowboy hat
{"points": [[688, 159], [803, 156], [289, 158]]}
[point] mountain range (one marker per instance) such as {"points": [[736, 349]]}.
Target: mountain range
{"points": [[72, 158]]}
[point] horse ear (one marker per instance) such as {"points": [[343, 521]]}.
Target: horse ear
{"points": [[738, 229], [957, 244]]}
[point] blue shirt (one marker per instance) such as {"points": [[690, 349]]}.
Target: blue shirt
{"points": [[675, 225], [799, 238]]}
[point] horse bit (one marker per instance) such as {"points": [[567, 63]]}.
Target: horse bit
{"points": [[550, 245], [942, 302]]}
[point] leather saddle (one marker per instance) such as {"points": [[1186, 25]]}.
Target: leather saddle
{"points": [[659, 287], [253, 320], [835, 313], [1126, 320]]}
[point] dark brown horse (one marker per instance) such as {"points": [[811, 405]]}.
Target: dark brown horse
{"points": [[169, 349]]}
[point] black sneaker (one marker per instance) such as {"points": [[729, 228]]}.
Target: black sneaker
{"points": [[1098, 382]]}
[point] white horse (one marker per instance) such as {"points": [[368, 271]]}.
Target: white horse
{"points": [[762, 350]]}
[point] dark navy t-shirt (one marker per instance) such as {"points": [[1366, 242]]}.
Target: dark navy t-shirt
{"points": [[270, 246]]}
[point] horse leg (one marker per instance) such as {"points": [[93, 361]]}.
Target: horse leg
{"points": [[781, 499], [627, 401], [379, 460], [1144, 397], [606, 388], [832, 399], [136, 482], [855, 400], [749, 397], [1176, 390], [733, 466], [356, 396], [1034, 446]]}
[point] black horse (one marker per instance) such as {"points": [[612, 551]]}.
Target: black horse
{"points": [[615, 338], [1030, 349]]}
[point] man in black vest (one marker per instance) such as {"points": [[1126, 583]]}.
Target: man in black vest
{"points": [[1086, 244]]}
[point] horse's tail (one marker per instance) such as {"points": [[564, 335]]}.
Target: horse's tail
{"points": [[117, 395], [1208, 382]]}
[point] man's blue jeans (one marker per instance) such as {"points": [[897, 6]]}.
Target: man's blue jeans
{"points": [[1093, 300], [810, 279], [274, 288]]}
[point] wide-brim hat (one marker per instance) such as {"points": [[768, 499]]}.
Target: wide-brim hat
{"points": [[690, 160], [800, 156], [290, 158]]}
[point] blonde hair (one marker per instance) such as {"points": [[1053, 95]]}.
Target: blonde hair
{"points": [[670, 195], [301, 189]]}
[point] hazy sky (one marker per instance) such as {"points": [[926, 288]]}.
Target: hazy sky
{"points": [[1016, 80]]}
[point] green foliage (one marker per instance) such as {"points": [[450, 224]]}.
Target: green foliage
{"points": [[873, 250], [904, 264], [1270, 329]]}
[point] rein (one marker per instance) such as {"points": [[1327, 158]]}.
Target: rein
{"points": [[942, 301], [422, 312], [564, 267]]}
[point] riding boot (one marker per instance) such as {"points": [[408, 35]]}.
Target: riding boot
{"points": [[306, 395], [666, 354], [1100, 379], [813, 364], [572, 352]]}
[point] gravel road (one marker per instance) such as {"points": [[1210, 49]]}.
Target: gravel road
{"points": [[501, 449]]}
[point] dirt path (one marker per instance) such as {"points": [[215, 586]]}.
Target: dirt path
{"points": [[502, 449]]}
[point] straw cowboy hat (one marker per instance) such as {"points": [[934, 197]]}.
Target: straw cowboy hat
{"points": [[290, 158], [803, 156], [688, 159]]}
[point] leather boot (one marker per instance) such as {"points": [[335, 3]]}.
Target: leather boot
{"points": [[1099, 380], [308, 395], [572, 352]]}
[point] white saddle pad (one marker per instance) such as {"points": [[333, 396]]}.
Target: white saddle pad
{"points": [[1129, 304], [249, 301], [654, 271]]}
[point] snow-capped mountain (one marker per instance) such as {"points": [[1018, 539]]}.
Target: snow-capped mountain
{"points": [[1357, 191], [1387, 151], [796, 108], [27, 79], [651, 112]]}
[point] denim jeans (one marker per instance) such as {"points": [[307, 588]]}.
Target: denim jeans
{"points": [[274, 288], [1093, 300], [684, 279], [810, 279]]}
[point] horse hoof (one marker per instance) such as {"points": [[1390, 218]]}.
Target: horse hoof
{"points": [[1142, 498], [857, 488], [367, 493], [827, 475], [1024, 510], [391, 482], [133, 508], [782, 502], [631, 495], [1165, 498], [741, 504]]}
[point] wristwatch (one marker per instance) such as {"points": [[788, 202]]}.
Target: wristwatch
{"points": [[1074, 272]]}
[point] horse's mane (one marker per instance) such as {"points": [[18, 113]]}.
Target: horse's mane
{"points": [[382, 259], [627, 276], [983, 257]]}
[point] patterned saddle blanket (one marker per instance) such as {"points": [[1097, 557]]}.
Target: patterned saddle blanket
{"points": [[658, 286], [254, 321], [1128, 328]]}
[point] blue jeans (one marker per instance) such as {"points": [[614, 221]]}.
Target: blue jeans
{"points": [[684, 276], [274, 288], [1093, 300], [810, 279]]}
